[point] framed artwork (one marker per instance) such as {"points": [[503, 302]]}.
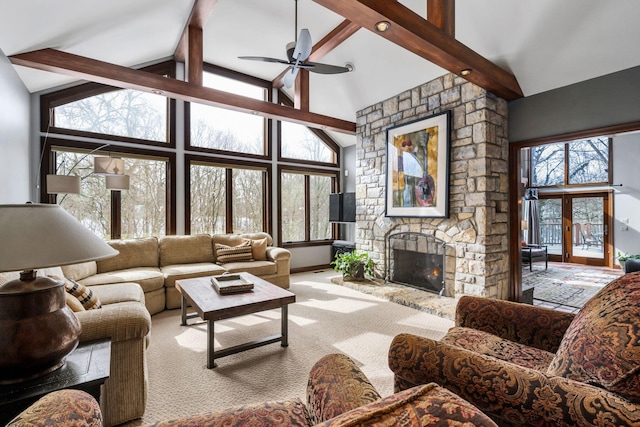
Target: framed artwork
{"points": [[417, 182]]}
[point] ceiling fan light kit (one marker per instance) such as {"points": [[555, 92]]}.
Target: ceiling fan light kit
{"points": [[298, 52]]}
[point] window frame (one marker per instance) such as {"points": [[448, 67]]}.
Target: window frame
{"points": [[245, 78], [49, 101], [306, 171], [49, 165], [565, 183], [228, 165]]}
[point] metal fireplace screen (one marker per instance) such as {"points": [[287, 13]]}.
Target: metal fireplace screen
{"points": [[417, 260]]}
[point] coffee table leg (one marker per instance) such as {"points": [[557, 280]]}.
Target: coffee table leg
{"points": [[183, 310], [211, 359], [285, 326]]}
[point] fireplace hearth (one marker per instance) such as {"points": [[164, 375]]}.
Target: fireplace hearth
{"points": [[416, 260]]}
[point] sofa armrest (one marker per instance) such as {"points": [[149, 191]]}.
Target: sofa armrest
{"points": [[526, 324], [120, 322], [61, 408], [276, 254], [336, 385], [510, 394]]}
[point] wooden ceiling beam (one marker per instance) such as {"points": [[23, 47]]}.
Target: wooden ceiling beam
{"points": [[301, 91], [115, 75], [200, 14], [342, 32], [442, 14], [416, 34]]}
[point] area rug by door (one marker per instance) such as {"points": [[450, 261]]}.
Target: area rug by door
{"points": [[569, 285]]}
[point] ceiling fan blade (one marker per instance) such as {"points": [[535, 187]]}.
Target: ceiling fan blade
{"points": [[303, 46], [264, 59], [326, 68], [290, 77]]}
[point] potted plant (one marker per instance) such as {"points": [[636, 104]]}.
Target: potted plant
{"points": [[353, 265], [623, 257]]}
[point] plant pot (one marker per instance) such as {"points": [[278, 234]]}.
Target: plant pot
{"points": [[356, 273]]}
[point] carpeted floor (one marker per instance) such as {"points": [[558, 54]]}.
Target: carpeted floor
{"points": [[326, 318], [566, 286]]}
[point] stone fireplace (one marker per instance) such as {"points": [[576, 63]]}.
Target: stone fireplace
{"points": [[476, 229], [416, 260]]}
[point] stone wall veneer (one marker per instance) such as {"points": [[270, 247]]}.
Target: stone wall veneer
{"points": [[476, 230]]}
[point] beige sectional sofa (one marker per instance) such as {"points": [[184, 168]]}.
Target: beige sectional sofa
{"points": [[140, 281], [156, 263]]}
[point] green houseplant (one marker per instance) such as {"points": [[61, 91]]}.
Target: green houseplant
{"points": [[623, 257], [353, 265]]}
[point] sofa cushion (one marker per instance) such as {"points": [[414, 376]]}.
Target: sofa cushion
{"points": [[189, 271], [80, 271], [257, 236], [149, 278], [281, 413], [185, 249], [425, 405], [241, 252], [119, 292], [257, 268], [133, 253], [500, 348], [259, 249], [602, 344]]}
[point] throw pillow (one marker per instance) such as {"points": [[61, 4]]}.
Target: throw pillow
{"points": [[85, 295], [74, 303], [226, 254], [259, 249], [602, 345]]}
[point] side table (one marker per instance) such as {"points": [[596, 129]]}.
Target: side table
{"points": [[86, 368]]}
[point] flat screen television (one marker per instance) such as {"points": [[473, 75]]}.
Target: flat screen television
{"points": [[342, 207]]}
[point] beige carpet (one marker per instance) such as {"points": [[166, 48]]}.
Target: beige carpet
{"points": [[326, 318]]}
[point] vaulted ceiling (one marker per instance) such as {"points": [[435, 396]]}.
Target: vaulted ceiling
{"points": [[514, 48]]}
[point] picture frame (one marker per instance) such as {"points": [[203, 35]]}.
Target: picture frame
{"points": [[417, 168]]}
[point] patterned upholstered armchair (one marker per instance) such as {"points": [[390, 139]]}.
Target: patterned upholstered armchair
{"points": [[338, 394], [529, 366]]}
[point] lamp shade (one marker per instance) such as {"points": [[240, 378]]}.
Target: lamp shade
{"points": [[108, 166], [63, 184], [37, 328], [117, 182], [40, 235]]}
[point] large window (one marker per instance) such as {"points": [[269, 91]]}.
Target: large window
{"points": [[299, 142], [583, 161], [304, 205], [139, 211], [125, 112], [226, 130], [227, 198]]}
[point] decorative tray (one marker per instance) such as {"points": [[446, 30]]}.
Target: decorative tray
{"points": [[231, 284]]}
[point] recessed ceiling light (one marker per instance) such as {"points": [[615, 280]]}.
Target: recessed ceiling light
{"points": [[465, 72], [157, 91], [382, 26]]}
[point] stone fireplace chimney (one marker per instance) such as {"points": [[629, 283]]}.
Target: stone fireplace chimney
{"points": [[476, 230]]}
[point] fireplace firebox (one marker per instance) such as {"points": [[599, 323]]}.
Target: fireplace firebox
{"points": [[417, 260]]}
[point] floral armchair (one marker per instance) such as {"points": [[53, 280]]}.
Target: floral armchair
{"points": [[530, 366], [338, 394]]}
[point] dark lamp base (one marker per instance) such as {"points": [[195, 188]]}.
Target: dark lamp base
{"points": [[37, 329]]}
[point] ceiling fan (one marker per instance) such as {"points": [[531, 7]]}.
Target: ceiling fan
{"points": [[297, 53]]}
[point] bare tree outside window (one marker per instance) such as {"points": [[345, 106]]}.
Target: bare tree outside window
{"points": [[319, 190], [298, 142], [589, 161], [247, 200], [547, 163], [144, 205], [292, 207], [124, 112], [208, 199]]}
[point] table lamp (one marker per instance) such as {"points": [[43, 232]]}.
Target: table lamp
{"points": [[37, 329]]}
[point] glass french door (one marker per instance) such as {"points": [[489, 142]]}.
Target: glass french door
{"points": [[575, 227]]}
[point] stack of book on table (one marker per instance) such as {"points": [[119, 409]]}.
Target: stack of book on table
{"points": [[231, 284]]}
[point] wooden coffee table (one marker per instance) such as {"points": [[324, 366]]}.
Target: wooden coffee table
{"points": [[211, 306]]}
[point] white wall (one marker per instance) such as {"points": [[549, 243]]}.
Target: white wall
{"points": [[626, 224], [15, 173]]}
